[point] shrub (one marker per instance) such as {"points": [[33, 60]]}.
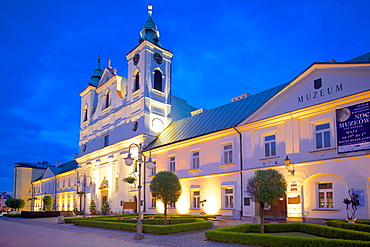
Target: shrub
{"points": [[358, 226], [14, 203]]}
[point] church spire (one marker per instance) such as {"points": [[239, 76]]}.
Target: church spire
{"points": [[96, 74], [150, 31]]}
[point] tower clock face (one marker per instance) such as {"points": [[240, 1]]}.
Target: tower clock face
{"points": [[136, 59], [158, 58]]}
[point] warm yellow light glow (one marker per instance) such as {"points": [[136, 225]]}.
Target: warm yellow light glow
{"points": [[182, 205], [160, 207], [211, 206]]}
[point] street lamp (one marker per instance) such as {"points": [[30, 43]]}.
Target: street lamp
{"points": [[84, 183], [149, 164], [287, 165]]}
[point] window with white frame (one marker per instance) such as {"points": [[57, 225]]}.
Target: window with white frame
{"points": [[64, 183], [172, 165], [322, 136], [270, 145], [228, 154], [69, 182], [154, 169], [172, 205], [195, 159], [195, 194], [153, 201], [228, 196], [325, 195]]}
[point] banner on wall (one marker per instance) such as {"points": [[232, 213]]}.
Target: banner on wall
{"points": [[353, 128]]}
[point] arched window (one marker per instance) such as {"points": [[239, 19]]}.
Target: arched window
{"points": [[85, 113], [137, 82], [107, 100], [158, 81]]}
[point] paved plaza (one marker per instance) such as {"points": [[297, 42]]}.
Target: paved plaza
{"points": [[45, 232]]}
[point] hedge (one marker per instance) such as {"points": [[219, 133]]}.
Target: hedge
{"points": [[248, 234], [198, 223], [360, 225]]}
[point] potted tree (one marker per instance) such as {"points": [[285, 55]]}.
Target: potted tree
{"points": [[92, 207], [129, 180], [105, 208]]}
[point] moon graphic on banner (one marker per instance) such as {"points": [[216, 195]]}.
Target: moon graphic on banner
{"points": [[343, 114]]}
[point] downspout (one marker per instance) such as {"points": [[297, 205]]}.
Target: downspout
{"points": [[55, 193], [241, 171]]}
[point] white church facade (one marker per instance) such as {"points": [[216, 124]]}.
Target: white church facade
{"points": [[315, 130]]}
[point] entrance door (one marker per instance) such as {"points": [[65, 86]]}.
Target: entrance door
{"points": [[278, 212]]}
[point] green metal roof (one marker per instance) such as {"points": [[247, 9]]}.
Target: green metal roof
{"points": [[220, 118], [150, 31], [180, 108], [363, 58]]}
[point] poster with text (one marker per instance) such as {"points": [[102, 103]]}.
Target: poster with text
{"points": [[353, 128]]}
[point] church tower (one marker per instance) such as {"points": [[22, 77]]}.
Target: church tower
{"points": [[149, 81], [115, 109]]}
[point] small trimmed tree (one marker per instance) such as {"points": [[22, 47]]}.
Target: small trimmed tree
{"points": [[105, 208], [92, 206], [266, 187], [15, 203], [166, 187], [48, 202]]}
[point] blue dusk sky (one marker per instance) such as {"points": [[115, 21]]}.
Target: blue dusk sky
{"points": [[222, 49]]}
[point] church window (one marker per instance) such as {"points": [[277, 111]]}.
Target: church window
{"points": [[158, 81], [137, 82], [85, 113], [107, 100], [106, 140]]}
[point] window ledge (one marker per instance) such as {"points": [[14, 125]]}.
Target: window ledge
{"points": [[195, 170], [325, 209], [227, 208], [323, 150], [226, 166], [106, 108], [269, 158]]}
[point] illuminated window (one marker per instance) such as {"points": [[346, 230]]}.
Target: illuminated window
{"points": [[228, 154], [195, 198], [322, 136], [325, 195], [270, 145], [195, 160], [137, 82], [228, 197], [158, 81], [172, 165]]}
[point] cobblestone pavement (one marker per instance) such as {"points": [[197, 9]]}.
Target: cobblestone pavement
{"points": [[42, 232]]}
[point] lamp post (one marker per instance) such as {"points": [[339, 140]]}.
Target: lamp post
{"points": [[149, 164], [84, 183]]}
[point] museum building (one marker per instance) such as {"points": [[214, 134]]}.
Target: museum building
{"points": [[314, 129]]}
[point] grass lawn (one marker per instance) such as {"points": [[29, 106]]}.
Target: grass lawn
{"points": [[294, 234]]}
